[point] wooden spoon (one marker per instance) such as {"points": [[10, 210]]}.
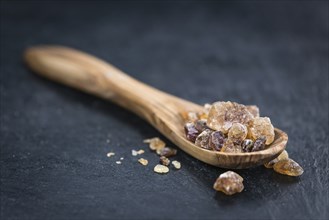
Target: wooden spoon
{"points": [[162, 110]]}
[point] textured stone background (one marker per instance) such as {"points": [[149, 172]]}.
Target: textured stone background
{"points": [[53, 138]]}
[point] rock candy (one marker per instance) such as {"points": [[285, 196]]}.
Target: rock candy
{"points": [[222, 115], [229, 183], [237, 133], [262, 127]]}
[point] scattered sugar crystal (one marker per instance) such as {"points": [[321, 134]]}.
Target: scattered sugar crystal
{"points": [[229, 183], [134, 152], [283, 156], [110, 154], [143, 161], [288, 167], [176, 164], [155, 143], [164, 160], [161, 169]]}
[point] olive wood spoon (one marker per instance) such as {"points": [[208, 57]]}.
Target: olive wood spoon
{"points": [[164, 111]]}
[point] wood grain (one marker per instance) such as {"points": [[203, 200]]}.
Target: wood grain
{"points": [[164, 111]]}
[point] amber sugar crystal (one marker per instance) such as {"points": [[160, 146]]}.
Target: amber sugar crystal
{"points": [[229, 183], [288, 167], [222, 115], [262, 127], [283, 156]]}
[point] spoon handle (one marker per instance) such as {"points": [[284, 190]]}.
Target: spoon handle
{"points": [[92, 75]]}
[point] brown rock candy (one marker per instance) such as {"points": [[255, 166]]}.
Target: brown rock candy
{"points": [[259, 144], [143, 161], [222, 115], [229, 183], [203, 139], [201, 125], [237, 133], [253, 109], [205, 111], [164, 161], [110, 154], [262, 127], [206, 108], [191, 132], [155, 143], [167, 152], [192, 116], [283, 156], [288, 167], [230, 147], [247, 145], [176, 164], [161, 169], [216, 141]]}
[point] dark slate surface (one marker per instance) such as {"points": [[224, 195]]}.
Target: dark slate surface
{"points": [[53, 138]]}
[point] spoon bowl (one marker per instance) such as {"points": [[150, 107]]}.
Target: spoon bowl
{"points": [[164, 111]]}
